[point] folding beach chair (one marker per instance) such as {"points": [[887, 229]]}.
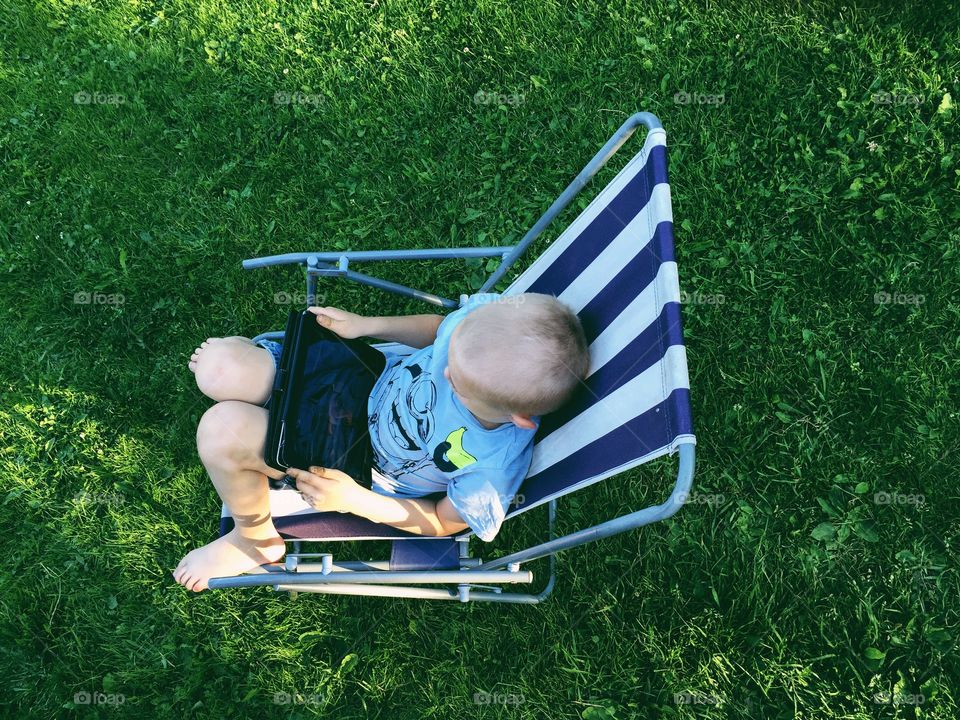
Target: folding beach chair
{"points": [[615, 266]]}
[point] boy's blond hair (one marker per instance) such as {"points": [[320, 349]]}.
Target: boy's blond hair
{"points": [[523, 354]]}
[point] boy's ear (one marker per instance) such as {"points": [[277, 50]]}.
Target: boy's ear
{"points": [[523, 421]]}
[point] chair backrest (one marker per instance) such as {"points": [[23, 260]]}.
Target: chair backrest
{"points": [[615, 267]]}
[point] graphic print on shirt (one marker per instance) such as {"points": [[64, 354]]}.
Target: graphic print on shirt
{"points": [[405, 425], [421, 399], [405, 421], [450, 455], [421, 396]]}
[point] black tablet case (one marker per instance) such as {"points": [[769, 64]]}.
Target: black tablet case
{"points": [[318, 408]]}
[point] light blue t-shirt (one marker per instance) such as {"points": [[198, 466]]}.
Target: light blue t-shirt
{"points": [[425, 441]]}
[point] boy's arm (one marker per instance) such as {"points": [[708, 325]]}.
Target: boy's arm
{"points": [[329, 489], [417, 515], [417, 331]]}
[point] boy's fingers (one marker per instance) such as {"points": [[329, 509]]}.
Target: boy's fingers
{"points": [[303, 484], [314, 476], [298, 474], [331, 474]]}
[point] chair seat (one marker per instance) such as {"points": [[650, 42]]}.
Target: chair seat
{"points": [[425, 554], [327, 526]]}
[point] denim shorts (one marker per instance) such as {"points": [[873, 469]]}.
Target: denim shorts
{"points": [[275, 349]]}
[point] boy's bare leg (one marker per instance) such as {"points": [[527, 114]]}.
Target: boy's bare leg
{"points": [[233, 368], [230, 439]]}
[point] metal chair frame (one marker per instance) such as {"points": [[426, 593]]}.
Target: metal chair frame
{"points": [[475, 580]]}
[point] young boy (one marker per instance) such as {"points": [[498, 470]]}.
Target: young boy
{"points": [[458, 416]]}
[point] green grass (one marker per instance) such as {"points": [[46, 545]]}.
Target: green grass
{"points": [[797, 200]]}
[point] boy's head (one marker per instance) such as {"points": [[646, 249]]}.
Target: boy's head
{"points": [[518, 356]]}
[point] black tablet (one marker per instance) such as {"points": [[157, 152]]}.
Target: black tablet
{"points": [[318, 408]]}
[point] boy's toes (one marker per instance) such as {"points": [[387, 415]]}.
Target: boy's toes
{"points": [[196, 354]]}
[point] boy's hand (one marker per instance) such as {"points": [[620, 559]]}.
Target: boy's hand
{"points": [[345, 324], [326, 488]]}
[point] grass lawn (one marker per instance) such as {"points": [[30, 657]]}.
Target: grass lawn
{"points": [[814, 157]]}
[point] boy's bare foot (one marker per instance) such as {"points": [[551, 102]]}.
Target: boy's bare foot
{"points": [[230, 340], [196, 354], [230, 555]]}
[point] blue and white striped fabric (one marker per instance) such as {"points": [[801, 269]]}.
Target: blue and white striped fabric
{"points": [[615, 267]]}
